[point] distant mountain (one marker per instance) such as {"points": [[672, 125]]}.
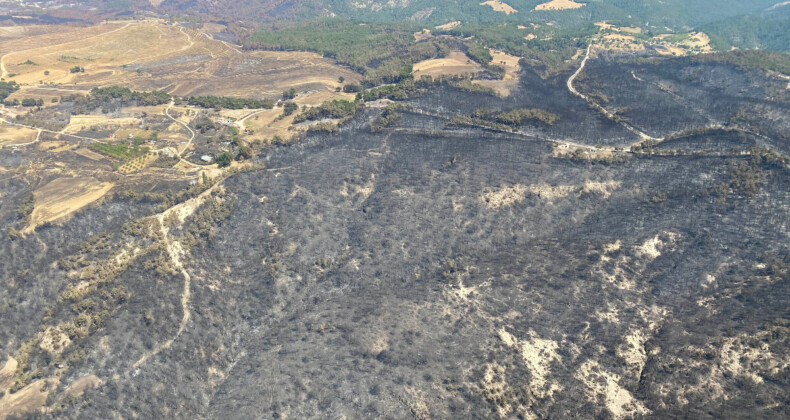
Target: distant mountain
{"points": [[675, 14]]}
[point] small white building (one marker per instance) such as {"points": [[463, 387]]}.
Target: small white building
{"points": [[206, 158]]}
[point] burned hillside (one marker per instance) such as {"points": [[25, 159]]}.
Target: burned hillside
{"points": [[435, 266]]}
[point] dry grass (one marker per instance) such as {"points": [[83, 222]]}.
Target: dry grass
{"points": [[86, 122], [455, 64], [512, 70], [603, 25], [265, 127], [7, 374], [422, 35], [668, 49], [11, 135], [449, 25], [80, 385], [56, 146], [620, 42], [101, 56], [609, 27], [619, 37], [90, 154], [152, 55], [64, 196], [47, 95], [698, 40], [28, 399], [692, 43], [630, 30], [559, 5], [499, 6]]}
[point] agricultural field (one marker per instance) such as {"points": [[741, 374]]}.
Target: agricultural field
{"points": [[456, 63], [12, 136], [64, 196], [152, 55]]}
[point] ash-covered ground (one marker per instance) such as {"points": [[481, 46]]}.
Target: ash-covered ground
{"points": [[431, 271]]}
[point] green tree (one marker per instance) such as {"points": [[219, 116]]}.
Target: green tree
{"points": [[223, 160], [289, 94], [289, 108]]}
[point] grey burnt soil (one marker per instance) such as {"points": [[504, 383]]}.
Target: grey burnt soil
{"points": [[366, 275]]}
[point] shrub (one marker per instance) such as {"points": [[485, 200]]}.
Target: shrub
{"points": [[289, 94], [337, 108], [223, 160], [352, 88], [290, 107]]}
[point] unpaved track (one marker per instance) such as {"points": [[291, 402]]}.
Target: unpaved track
{"points": [[40, 130], [191, 131], [227, 44], [175, 252], [530, 134], [642, 135], [240, 122]]}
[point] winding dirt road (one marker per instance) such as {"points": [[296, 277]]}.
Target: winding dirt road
{"points": [[642, 135]]}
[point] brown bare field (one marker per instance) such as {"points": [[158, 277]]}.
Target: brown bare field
{"points": [[64, 196], [694, 43], [499, 6], [99, 53], [456, 63], [559, 5], [90, 154], [698, 40], [148, 55], [11, 135], [449, 25], [669, 49], [80, 385], [630, 30], [47, 95], [28, 399], [603, 25], [619, 42], [7, 374], [510, 80], [317, 98], [459, 64], [422, 35], [138, 110], [132, 132], [265, 125], [619, 37], [56, 146], [86, 122]]}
